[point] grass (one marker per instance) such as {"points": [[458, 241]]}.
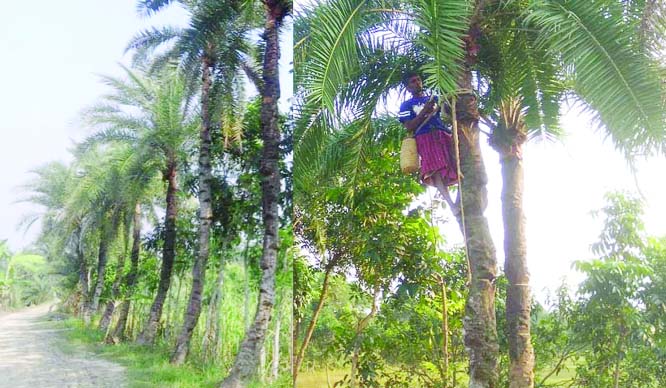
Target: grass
{"points": [[148, 366], [317, 378]]}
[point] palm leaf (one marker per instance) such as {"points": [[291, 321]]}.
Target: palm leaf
{"points": [[619, 83], [442, 24]]}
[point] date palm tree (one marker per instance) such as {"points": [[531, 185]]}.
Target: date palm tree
{"points": [[247, 359], [210, 52], [464, 50], [153, 117], [50, 189]]}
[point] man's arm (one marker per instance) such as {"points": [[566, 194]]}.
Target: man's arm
{"points": [[421, 117]]}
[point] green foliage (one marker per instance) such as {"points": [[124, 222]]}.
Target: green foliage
{"points": [[25, 280], [610, 333], [600, 50]]}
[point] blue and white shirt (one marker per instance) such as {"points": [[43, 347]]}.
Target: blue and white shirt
{"points": [[410, 108]]}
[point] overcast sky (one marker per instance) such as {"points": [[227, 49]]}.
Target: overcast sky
{"points": [[52, 52]]}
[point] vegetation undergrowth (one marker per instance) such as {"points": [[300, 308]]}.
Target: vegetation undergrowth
{"points": [[149, 366]]}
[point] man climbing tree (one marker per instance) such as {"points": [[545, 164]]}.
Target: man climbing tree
{"points": [[420, 115]]}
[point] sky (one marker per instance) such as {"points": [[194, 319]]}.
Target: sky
{"points": [[53, 52]]}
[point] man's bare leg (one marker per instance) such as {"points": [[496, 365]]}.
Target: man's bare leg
{"points": [[438, 182]]}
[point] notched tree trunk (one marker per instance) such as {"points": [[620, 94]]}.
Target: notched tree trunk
{"points": [[205, 219], [507, 139], [245, 365], [130, 279], [105, 321], [149, 332], [101, 271], [479, 321]]}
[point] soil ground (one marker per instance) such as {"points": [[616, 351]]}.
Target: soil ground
{"points": [[32, 356]]}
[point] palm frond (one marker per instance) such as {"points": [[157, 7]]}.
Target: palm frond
{"points": [[333, 53], [106, 136], [149, 7], [442, 23], [148, 40], [620, 84]]}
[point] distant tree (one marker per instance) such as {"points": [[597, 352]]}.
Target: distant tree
{"points": [[152, 117], [611, 317], [209, 52]]}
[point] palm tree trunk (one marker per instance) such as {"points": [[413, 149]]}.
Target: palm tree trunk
{"points": [[130, 280], [479, 321], [105, 321], [205, 219], [507, 139], [313, 322], [101, 271], [147, 336], [246, 361], [518, 300], [83, 280], [107, 235]]}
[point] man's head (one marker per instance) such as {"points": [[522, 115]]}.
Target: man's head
{"points": [[412, 82]]}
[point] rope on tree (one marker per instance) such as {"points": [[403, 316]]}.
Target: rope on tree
{"points": [[456, 146]]}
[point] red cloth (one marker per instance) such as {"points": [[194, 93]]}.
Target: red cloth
{"points": [[436, 151]]}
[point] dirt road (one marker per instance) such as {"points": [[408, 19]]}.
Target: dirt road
{"points": [[30, 358]]}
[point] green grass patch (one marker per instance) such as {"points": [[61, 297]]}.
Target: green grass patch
{"points": [[318, 379], [148, 366]]}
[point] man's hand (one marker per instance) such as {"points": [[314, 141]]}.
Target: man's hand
{"points": [[430, 106]]}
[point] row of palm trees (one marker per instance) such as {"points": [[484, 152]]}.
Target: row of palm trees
{"points": [[509, 65], [185, 82]]}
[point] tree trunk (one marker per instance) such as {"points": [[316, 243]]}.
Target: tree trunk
{"points": [[83, 279], [105, 321], [205, 219], [172, 302], [313, 322], [507, 139], [518, 300], [479, 321], [246, 361], [130, 279], [106, 237], [147, 336], [101, 271]]}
